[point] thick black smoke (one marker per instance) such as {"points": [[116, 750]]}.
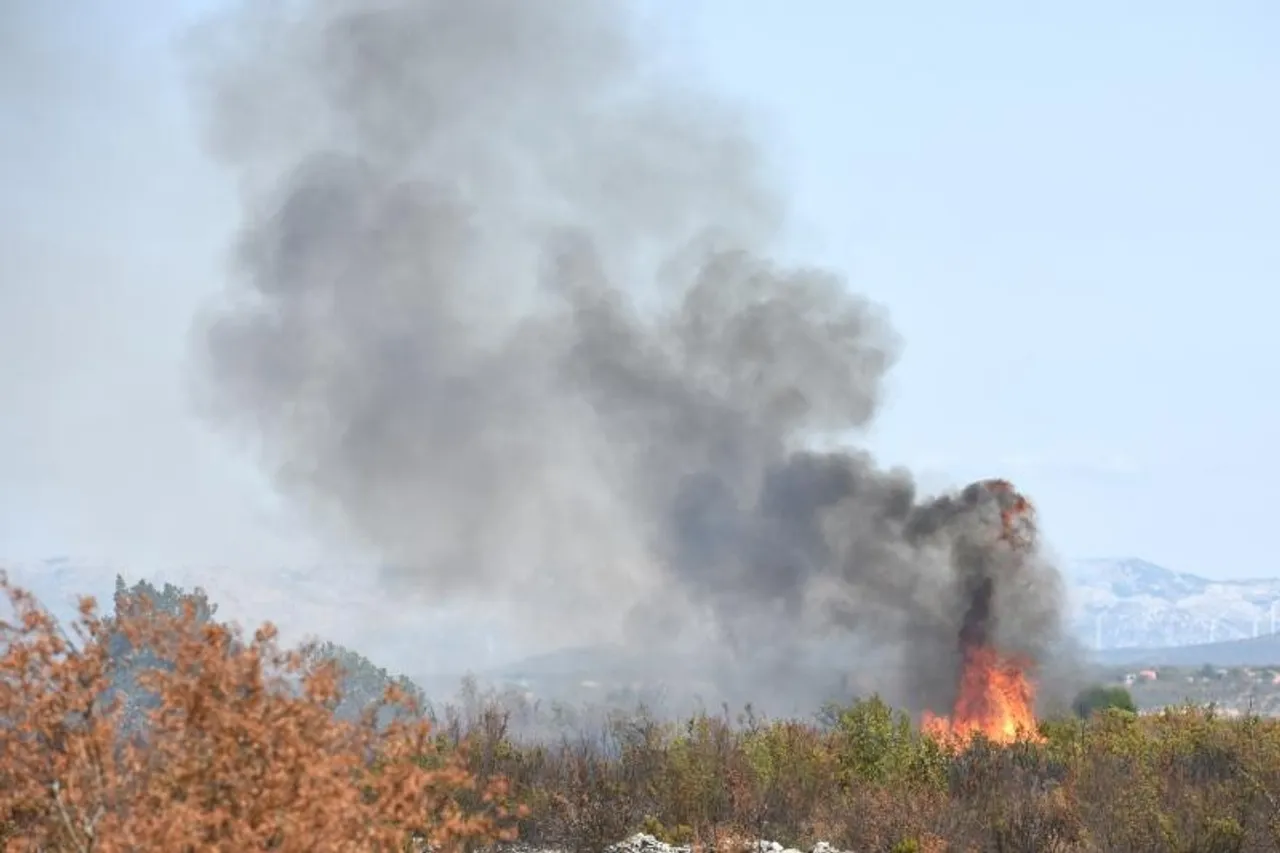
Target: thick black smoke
{"points": [[505, 309]]}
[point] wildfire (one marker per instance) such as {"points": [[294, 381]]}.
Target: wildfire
{"points": [[995, 697], [1017, 515]]}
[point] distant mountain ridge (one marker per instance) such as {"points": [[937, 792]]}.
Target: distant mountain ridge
{"points": [[1120, 603]]}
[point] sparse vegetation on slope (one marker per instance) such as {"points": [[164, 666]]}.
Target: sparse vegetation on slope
{"points": [[239, 745]]}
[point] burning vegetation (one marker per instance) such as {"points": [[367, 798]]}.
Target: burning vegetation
{"points": [[995, 697]]}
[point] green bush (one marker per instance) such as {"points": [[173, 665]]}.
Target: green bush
{"points": [[1093, 699]]}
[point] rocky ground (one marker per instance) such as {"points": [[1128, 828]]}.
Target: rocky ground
{"points": [[642, 843]]}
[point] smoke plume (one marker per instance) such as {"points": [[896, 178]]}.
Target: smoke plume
{"points": [[506, 308]]}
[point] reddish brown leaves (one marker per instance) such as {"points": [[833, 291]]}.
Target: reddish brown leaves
{"points": [[240, 752]]}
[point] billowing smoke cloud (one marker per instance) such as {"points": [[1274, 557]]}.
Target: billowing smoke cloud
{"points": [[505, 310]]}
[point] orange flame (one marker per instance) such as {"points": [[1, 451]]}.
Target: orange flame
{"points": [[996, 698], [1017, 515]]}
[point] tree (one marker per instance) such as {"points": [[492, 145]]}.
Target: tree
{"points": [[1100, 697], [171, 600], [362, 683], [127, 658], [241, 750]]}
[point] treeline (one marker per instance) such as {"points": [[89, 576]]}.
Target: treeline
{"points": [[158, 727]]}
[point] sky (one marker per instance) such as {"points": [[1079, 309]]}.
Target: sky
{"points": [[1071, 208]]}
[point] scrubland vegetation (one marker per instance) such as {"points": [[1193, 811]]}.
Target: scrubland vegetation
{"points": [[159, 728]]}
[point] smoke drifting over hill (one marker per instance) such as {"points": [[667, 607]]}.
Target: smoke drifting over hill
{"points": [[506, 309]]}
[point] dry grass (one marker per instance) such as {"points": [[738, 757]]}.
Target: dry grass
{"points": [[1184, 781]]}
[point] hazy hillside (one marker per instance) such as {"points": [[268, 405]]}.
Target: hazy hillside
{"points": [[336, 602], [1259, 651], [1131, 603], [1140, 611]]}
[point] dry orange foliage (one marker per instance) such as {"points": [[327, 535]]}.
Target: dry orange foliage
{"points": [[239, 752]]}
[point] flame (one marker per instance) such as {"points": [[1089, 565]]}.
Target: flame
{"points": [[995, 697], [1017, 515]]}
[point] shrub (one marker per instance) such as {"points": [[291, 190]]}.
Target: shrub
{"points": [[1101, 697], [239, 751]]}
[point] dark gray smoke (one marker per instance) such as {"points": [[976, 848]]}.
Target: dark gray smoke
{"points": [[505, 309]]}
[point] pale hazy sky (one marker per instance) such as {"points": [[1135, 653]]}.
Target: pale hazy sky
{"points": [[1071, 212]]}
